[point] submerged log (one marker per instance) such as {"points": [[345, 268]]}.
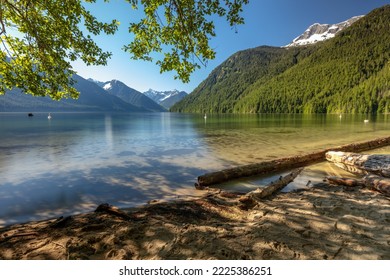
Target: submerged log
{"points": [[361, 163], [251, 198], [283, 164], [374, 182]]}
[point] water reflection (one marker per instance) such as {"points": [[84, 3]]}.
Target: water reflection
{"points": [[108, 131], [82, 160], [74, 162]]}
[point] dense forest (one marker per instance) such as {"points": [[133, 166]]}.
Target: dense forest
{"points": [[346, 74]]}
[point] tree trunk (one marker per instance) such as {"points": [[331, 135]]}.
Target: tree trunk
{"points": [[361, 163], [283, 164]]}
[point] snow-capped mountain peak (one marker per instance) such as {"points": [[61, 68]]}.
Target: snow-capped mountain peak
{"points": [[160, 96], [107, 86], [165, 98], [321, 32]]}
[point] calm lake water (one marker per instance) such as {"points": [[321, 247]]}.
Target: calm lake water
{"points": [[73, 162]]}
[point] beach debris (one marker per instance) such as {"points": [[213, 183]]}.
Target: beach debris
{"points": [[340, 181], [364, 164], [375, 168], [283, 164], [250, 199], [375, 182]]}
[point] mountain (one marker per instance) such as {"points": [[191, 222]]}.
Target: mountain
{"points": [[227, 83], [92, 98], [321, 32], [99, 83], [165, 98], [132, 96], [348, 73]]}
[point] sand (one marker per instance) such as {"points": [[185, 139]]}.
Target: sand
{"points": [[321, 222]]}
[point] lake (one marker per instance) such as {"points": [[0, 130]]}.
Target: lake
{"points": [[75, 161]]}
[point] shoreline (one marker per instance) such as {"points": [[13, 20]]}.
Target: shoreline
{"points": [[317, 222], [323, 222]]}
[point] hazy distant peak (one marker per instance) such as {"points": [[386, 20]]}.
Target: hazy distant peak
{"points": [[318, 32], [159, 96], [99, 83], [165, 98]]}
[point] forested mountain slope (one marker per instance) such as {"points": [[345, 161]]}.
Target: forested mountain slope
{"points": [[348, 73]]}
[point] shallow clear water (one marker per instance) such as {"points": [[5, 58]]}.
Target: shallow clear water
{"points": [[74, 162]]}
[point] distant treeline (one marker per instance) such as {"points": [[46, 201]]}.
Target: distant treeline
{"points": [[347, 74]]}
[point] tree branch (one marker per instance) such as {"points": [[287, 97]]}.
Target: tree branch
{"points": [[1, 19], [187, 33]]}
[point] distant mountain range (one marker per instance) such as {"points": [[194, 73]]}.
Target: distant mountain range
{"points": [[347, 73], [131, 96], [94, 96], [166, 98]]}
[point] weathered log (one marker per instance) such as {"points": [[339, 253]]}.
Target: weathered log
{"points": [[344, 181], [361, 163], [374, 182], [250, 199], [283, 164], [378, 183]]}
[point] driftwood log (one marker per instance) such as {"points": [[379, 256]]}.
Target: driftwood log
{"points": [[250, 199], [283, 164], [348, 182], [361, 163], [374, 182]]}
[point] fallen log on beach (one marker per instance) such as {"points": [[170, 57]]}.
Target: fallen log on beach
{"points": [[251, 198], [374, 182], [341, 181], [374, 167], [361, 163], [283, 164]]}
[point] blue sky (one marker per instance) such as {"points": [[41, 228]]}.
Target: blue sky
{"points": [[267, 22]]}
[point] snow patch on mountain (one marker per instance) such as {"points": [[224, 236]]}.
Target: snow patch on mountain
{"points": [[165, 98], [107, 86], [321, 32]]}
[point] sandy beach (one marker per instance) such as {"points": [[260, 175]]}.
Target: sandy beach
{"points": [[322, 222]]}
